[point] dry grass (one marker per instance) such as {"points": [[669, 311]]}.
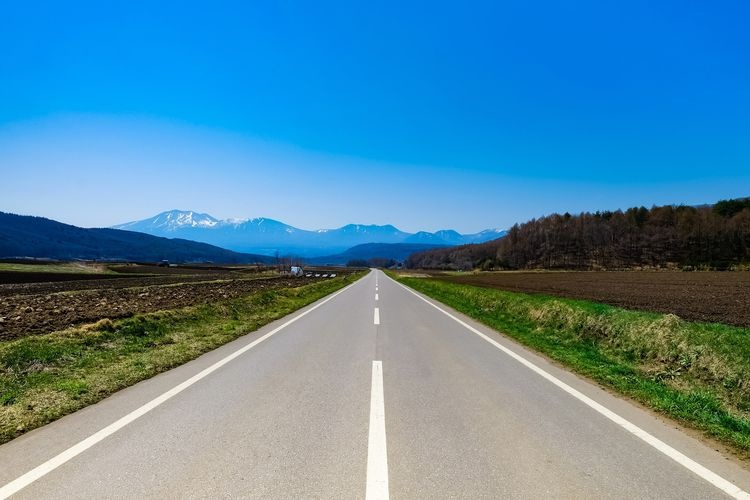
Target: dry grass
{"points": [[63, 267]]}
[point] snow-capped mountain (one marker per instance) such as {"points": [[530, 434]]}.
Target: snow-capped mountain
{"points": [[442, 237], [268, 236], [486, 235], [355, 234], [174, 220]]}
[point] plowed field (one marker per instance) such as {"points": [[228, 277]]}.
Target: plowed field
{"points": [[37, 308], [718, 297]]}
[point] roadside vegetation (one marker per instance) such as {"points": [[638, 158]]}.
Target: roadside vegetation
{"points": [[696, 373], [707, 296], [38, 308], [43, 377]]}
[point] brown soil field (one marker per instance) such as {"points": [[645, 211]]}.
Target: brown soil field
{"points": [[7, 277], [99, 282], [184, 269], [716, 297], [37, 308]]}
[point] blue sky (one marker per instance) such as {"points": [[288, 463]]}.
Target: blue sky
{"points": [[427, 116]]}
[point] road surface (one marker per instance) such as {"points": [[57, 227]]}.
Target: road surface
{"points": [[373, 392]]}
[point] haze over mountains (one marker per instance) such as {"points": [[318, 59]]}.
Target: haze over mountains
{"points": [[268, 236], [398, 252]]}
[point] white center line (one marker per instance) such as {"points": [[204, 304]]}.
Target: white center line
{"points": [[727, 487], [377, 316], [377, 454], [376, 296], [75, 450]]}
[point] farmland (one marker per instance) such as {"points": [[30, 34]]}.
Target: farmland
{"points": [[719, 297], [67, 344], [41, 306], [51, 267]]}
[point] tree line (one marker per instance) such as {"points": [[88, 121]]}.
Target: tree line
{"points": [[715, 236]]}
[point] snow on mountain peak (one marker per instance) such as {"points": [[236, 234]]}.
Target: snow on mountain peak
{"points": [[268, 235], [235, 221], [176, 219]]}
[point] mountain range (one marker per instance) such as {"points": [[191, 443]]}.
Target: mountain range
{"points": [[268, 236], [23, 236]]}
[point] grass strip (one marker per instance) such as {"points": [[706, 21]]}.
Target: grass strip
{"points": [[44, 377], [696, 373]]}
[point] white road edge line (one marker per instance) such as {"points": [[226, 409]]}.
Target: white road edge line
{"points": [[690, 464], [377, 454], [45, 468], [376, 319]]}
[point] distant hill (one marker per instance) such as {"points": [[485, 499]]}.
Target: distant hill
{"points": [[267, 236], [716, 236], [374, 251], [37, 237]]}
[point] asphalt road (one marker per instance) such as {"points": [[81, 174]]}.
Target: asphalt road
{"points": [[366, 393]]}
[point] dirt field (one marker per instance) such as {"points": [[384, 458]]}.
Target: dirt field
{"points": [[36, 308], [9, 288], [721, 297]]}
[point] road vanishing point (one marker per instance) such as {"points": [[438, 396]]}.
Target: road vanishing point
{"points": [[373, 392]]}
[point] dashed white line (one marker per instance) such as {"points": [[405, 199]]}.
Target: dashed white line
{"points": [[376, 319], [75, 450], [377, 454], [376, 296], [690, 464]]}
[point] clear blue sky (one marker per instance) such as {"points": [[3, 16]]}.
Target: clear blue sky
{"points": [[433, 115]]}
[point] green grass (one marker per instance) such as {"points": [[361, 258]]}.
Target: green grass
{"points": [[47, 376], [64, 267], [696, 373]]}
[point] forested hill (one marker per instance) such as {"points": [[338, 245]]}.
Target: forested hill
{"points": [[713, 235], [37, 237]]}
